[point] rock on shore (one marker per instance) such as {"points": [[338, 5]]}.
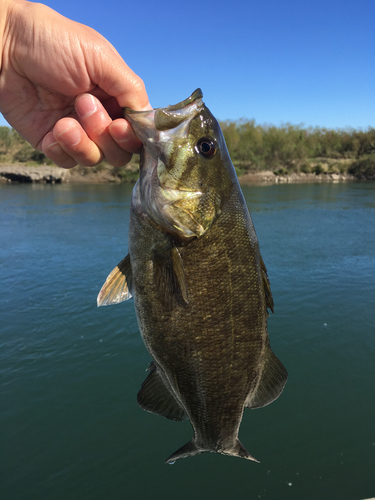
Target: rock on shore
{"points": [[44, 174]]}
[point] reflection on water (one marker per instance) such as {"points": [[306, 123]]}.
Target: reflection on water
{"points": [[70, 425]]}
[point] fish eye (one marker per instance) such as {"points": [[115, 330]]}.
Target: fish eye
{"points": [[207, 147]]}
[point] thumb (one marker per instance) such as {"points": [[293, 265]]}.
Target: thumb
{"points": [[116, 79]]}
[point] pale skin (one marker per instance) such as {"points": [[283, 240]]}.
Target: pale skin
{"points": [[62, 87]]}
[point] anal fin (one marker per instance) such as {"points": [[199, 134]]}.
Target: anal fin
{"points": [[271, 383], [156, 397]]}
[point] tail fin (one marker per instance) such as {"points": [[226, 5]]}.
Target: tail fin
{"points": [[238, 450], [190, 449]]}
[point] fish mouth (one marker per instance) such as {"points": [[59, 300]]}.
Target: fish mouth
{"points": [[159, 128], [164, 117], [156, 126]]}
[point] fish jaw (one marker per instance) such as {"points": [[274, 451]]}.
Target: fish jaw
{"points": [[172, 209], [178, 187]]}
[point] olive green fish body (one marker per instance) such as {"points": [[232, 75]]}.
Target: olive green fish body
{"points": [[200, 286]]}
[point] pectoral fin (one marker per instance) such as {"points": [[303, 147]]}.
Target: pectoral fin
{"points": [[170, 278], [179, 272], [272, 379], [156, 397], [117, 286]]}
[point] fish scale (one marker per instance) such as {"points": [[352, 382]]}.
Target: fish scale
{"points": [[200, 287]]}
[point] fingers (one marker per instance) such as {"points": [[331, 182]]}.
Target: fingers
{"points": [[121, 131], [91, 137], [95, 120], [68, 144], [52, 149]]}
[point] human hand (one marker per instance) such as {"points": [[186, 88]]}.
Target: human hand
{"points": [[62, 86]]}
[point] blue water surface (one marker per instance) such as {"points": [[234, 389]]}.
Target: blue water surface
{"points": [[70, 426]]}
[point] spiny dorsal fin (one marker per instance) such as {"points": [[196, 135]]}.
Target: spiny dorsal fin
{"points": [[266, 285], [156, 397], [170, 278], [273, 377], [117, 286]]}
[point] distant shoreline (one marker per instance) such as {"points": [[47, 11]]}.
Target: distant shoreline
{"points": [[268, 177], [108, 175]]}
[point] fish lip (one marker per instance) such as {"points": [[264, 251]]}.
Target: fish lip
{"points": [[153, 125], [197, 94]]}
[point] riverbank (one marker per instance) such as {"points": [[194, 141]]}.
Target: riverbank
{"points": [[51, 174], [268, 177], [106, 174]]}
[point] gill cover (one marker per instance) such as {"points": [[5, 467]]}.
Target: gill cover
{"points": [[183, 178]]}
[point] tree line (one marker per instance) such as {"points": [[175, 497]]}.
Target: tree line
{"points": [[254, 147], [295, 148]]}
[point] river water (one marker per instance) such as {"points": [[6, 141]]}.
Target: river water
{"points": [[69, 422]]}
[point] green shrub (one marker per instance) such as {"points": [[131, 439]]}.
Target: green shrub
{"points": [[363, 169], [318, 169], [100, 167], [28, 154], [5, 139], [281, 171], [305, 168], [333, 168], [126, 174]]}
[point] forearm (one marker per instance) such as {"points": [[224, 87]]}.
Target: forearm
{"points": [[4, 16], [8, 10]]}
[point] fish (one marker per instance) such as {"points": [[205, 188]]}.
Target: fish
{"points": [[201, 290]]}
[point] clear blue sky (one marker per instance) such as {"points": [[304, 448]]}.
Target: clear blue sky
{"points": [[277, 61]]}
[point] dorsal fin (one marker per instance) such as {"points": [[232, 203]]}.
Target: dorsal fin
{"points": [[156, 397], [117, 286]]}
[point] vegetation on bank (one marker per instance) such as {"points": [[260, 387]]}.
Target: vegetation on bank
{"points": [[292, 148], [14, 149], [129, 173], [252, 147]]}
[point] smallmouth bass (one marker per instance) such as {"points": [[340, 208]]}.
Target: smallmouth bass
{"points": [[200, 286]]}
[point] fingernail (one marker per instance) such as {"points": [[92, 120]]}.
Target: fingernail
{"points": [[55, 148], [71, 136], [121, 135], [86, 105], [147, 108]]}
